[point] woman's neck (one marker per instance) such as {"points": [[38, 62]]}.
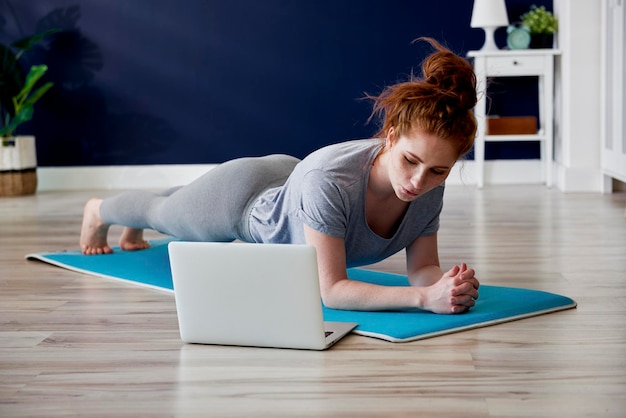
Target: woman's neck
{"points": [[379, 184]]}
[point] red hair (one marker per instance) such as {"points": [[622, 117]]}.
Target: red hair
{"points": [[440, 102]]}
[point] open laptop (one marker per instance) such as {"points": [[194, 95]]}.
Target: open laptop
{"points": [[264, 295]]}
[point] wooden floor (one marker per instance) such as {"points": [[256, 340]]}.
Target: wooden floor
{"points": [[72, 344]]}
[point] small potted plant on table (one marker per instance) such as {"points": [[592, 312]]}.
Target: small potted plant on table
{"points": [[542, 26]]}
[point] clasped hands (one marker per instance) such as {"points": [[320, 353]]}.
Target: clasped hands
{"points": [[456, 291]]}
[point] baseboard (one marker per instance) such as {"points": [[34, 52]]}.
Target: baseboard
{"points": [[154, 177], [578, 180], [170, 175]]}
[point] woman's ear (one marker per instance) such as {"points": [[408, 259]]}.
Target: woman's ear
{"points": [[391, 137]]}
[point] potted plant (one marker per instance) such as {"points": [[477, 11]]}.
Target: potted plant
{"points": [[18, 94], [542, 26]]}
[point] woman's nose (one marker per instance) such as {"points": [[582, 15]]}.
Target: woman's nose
{"points": [[418, 178]]}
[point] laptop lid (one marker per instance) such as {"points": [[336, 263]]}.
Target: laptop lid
{"points": [[244, 294]]}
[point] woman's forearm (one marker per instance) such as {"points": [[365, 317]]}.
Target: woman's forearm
{"points": [[449, 293], [355, 295], [425, 276]]}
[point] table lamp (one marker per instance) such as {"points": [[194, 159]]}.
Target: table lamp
{"points": [[489, 15]]}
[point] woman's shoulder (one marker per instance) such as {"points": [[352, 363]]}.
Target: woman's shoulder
{"points": [[353, 144], [343, 153], [342, 164]]}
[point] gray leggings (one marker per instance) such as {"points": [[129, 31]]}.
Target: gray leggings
{"points": [[214, 207]]}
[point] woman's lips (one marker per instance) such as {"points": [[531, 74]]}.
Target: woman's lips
{"points": [[409, 193]]}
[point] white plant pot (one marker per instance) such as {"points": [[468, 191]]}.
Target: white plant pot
{"points": [[18, 166]]}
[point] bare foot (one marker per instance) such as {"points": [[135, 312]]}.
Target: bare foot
{"points": [[132, 240], [93, 235]]}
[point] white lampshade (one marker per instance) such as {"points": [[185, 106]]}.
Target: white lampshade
{"points": [[489, 15]]}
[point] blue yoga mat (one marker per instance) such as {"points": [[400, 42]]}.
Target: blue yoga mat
{"points": [[496, 304]]}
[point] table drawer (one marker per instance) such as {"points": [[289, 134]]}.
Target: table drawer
{"points": [[516, 65]]}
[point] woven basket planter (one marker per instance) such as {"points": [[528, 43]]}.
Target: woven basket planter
{"points": [[18, 166]]}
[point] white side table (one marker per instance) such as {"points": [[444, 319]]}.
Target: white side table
{"points": [[518, 63]]}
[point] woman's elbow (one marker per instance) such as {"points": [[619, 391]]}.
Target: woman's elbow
{"points": [[331, 297]]}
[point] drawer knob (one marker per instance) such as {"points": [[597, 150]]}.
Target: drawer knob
{"points": [[515, 63]]}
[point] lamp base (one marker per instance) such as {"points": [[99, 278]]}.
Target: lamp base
{"points": [[490, 43]]}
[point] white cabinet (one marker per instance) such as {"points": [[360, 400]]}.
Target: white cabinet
{"points": [[520, 63], [613, 93]]}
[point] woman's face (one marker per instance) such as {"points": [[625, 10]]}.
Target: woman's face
{"points": [[418, 162]]}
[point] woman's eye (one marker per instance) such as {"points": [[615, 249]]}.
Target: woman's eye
{"points": [[408, 160], [438, 172]]}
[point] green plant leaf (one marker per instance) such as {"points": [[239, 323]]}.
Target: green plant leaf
{"points": [[36, 95], [33, 76], [29, 42], [11, 79], [539, 20], [24, 115], [24, 101]]}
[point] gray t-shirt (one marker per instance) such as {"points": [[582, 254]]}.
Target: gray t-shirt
{"points": [[326, 191]]}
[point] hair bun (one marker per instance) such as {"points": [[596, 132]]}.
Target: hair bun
{"points": [[439, 102], [451, 75]]}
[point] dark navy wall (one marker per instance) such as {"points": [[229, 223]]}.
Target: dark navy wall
{"points": [[203, 81]]}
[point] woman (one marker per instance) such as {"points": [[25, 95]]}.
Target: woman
{"points": [[356, 202]]}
